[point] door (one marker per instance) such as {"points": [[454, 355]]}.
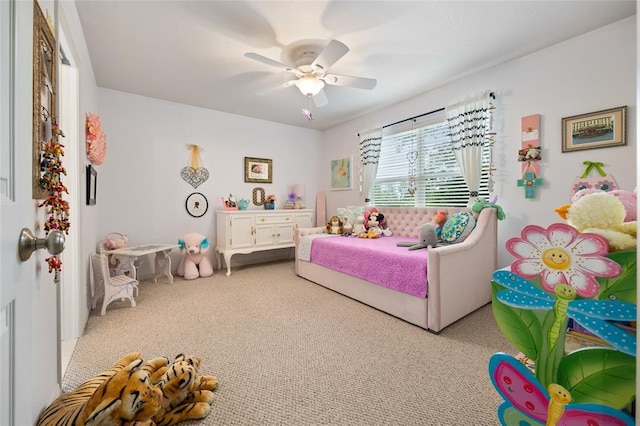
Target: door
{"points": [[19, 401], [15, 207]]}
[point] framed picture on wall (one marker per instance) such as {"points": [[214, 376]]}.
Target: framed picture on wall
{"points": [[92, 185], [258, 170], [600, 129], [341, 174]]}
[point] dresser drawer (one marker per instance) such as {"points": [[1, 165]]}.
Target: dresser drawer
{"points": [[274, 218]]}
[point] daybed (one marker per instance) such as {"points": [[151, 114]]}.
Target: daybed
{"points": [[458, 275]]}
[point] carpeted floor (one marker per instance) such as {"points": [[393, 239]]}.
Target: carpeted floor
{"points": [[287, 351]]}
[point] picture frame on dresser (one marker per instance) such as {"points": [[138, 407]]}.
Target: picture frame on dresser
{"points": [[599, 129], [258, 170]]}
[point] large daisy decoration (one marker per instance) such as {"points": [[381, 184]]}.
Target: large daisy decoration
{"points": [[560, 254]]}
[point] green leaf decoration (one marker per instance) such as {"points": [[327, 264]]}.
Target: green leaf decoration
{"points": [[622, 287], [600, 376], [521, 327]]}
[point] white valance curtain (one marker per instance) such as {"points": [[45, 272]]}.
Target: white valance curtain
{"points": [[370, 142], [469, 127]]}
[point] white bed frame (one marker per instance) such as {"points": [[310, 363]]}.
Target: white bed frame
{"points": [[459, 275]]}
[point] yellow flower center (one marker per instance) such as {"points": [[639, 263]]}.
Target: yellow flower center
{"points": [[556, 258]]}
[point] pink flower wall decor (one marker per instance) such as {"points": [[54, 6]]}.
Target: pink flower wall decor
{"points": [[562, 255], [96, 140]]}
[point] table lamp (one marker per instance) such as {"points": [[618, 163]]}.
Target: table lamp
{"points": [[300, 191]]}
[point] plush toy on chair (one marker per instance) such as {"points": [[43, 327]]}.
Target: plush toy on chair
{"points": [[194, 263]]}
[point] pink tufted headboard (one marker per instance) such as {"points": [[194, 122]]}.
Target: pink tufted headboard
{"points": [[406, 221]]}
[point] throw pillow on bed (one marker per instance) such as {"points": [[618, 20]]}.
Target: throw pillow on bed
{"points": [[457, 227], [351, 212]]}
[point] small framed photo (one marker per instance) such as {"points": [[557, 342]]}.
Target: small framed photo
{"points": [[92, 185], [341, 174], [197, 204], [600, 129], [258, 170]]}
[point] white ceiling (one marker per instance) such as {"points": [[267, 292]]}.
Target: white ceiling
{"points": [[192, 52]]}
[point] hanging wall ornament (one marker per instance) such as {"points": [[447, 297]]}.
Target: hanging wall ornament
{"points": [[530, 154], [96, 140], [595, 178], [412, 158], [57, 208], [193, 174]]}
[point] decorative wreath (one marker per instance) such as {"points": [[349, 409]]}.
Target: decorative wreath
{"points": [[96, 140]]}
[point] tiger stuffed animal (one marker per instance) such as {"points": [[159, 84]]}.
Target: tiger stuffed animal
{"points": [[185, 395], [122, 395], [136, 393]]}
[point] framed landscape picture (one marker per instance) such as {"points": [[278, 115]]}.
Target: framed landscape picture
{"points": [[600, 129], [341, 174]]}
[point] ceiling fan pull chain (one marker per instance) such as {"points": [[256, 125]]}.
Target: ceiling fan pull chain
{"points": [[307, 111]]}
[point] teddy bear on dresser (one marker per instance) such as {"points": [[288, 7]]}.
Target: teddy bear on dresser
{"points": [[194, 262]]}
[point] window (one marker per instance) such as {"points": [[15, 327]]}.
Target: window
{"points": [[425, 152]]}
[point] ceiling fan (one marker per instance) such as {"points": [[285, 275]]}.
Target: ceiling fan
{"points": [[311, 71]]}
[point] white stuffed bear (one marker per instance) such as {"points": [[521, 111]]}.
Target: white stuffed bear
{"points": [[194, 263]]}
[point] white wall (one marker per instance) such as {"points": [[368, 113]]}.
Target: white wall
{"points": [[86, 224], [589, 73], [140, 190]]}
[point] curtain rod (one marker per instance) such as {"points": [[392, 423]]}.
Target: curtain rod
{"points": [[491, 94]]}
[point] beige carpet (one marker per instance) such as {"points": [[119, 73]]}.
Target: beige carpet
{"points": [[287, 351]]}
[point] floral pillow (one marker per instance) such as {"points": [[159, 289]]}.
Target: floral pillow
{"points": [[351, 212], [457, 227]]}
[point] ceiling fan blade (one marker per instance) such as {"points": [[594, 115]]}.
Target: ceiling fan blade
{"points": [[349, 81], [268, 61], [278, 87], [320, 99], [330, 54]]}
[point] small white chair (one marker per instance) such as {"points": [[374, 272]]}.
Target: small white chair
{"points": [[108, 287], [119, 264]]}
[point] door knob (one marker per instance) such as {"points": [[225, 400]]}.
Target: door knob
{"points": [[28, 243]]}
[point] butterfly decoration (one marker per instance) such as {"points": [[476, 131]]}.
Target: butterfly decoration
{"points": [[527, 403], [307, 113], [593, 315]]}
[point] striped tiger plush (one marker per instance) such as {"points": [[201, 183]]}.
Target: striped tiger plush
{"points": [[185, 395], [122, 395], [136, 393]]}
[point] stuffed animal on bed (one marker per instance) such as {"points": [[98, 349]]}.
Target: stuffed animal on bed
{"points": [[334, 226], [374, 215], [135, 392], [194, 262], [438, 222], [358, 227], [428, 238], [347, 227]]}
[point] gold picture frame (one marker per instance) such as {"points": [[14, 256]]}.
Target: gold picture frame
{"points": [[600, 129], [44, 93], [258, 170]]}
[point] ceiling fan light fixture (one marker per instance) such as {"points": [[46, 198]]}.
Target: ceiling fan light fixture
{"points": [[310, 86]]}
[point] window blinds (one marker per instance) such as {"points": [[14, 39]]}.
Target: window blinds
{"points": [[423, 152]]}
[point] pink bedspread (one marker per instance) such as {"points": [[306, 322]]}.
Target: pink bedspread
{"points": [[376, 260]]}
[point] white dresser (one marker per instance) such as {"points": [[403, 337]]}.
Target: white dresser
{"points": [[248, 231]]}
